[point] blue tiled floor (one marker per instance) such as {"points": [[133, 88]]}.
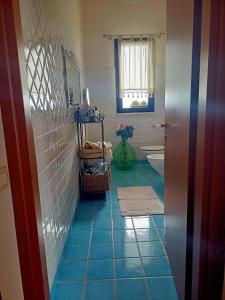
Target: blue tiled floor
{"points": [[110, 257]]}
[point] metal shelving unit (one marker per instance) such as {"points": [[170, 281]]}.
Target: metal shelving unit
{"points": [[92, 185]]}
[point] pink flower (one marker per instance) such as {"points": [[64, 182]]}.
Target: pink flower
{"points": [[123, 125]]}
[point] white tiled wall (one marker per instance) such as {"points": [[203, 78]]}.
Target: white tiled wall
{"points": [[56, 148], [101, 83], [53, 126]]}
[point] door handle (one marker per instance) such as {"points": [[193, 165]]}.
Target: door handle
{"points": [[162, 125]]}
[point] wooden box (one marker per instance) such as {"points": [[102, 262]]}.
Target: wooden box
{"points": [[95, 153], [95, 183]]}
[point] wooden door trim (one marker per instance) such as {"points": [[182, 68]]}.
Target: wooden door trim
{"points": [[17, 124], [209, 227]]}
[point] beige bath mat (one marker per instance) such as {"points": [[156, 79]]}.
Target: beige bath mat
{"points": [[139, 201]]}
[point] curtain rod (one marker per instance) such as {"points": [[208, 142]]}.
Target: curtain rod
{"points": [[151, 35]]}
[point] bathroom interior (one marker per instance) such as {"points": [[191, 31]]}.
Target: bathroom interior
{"points": [[74, 52]]}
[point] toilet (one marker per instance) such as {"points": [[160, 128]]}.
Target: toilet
{"points": [[157, 162], [152, 149], [155, 156]]}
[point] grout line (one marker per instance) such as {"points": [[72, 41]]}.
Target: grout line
{"points": [[86, 270], [50, 147], [114, 258], [111, 196], [121, 278], [113, 245], [161, 241], [55, 159], [163, 244], [54, 176], [142, 264], [102, 243], [47, 132]]}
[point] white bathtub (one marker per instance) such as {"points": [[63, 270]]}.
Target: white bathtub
{"points": [[157, 162]]}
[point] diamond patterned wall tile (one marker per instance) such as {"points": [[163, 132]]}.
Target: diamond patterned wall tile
{"points": [[53, 126]]}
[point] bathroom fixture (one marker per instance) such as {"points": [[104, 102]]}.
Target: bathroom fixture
{"points": [[157, 162], [155, 156], [152, 149], [161, 125]]}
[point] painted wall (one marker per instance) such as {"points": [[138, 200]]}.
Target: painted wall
{"points": [[70, 17], [46, 26], [116, 17], [10, 276]]}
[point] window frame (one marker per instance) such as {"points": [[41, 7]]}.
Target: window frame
{"points": [[119, 105]]}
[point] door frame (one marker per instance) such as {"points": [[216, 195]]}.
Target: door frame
{"points": [[209, 196], [19, 141], [208, 244]]}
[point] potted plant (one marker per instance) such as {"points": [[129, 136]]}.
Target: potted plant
{"points": [[136, 103]]}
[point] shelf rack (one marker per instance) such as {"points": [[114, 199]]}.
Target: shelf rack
{"points": [[91, 185]]}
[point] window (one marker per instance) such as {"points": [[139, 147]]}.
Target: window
{"points": [[134, 64]]}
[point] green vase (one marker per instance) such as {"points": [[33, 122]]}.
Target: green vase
{"points": [[124, 155]]}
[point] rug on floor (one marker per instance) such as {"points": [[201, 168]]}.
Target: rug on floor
{"points": [[139, 201]]}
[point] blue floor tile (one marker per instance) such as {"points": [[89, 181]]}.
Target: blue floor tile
{"points": [[122, 236], [125, 223], [102, 224], [100, 289], [116, 214], [67, 291], [102, 205], [82, 217], [86, 207], [115, 204], [75, 253], [146, 235], [162, 288], [102, 214], [129, 267], [83, 214], [81, 225], [126, 250], [100, 269], [142, 222], [156, 266], [101, 237], [113, 248], [71, 271], [161, 232], [143, 162], [101, 251], [153, 248], [132, 289], [78, 238], [158, 220]]}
